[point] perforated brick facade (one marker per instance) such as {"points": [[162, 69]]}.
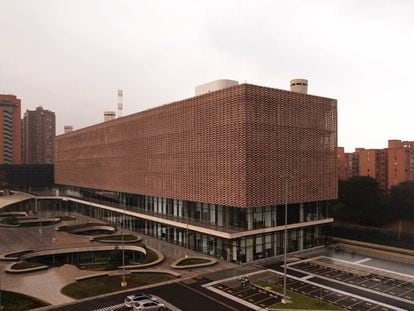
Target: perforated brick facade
{"points": [[232, 147]]}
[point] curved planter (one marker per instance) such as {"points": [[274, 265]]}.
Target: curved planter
{"points": [[101, 239], [35, 221], [86, 228], [9, 226], [163, 271], [211, 261], [18, 254], [80, 250], [146, 265], [9, 269]]}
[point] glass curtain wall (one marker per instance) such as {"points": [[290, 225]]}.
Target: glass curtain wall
{"points": [[240, 250], [218, 217]]}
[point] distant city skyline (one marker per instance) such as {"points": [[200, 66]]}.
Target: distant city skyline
{"points": [[72, 57]]}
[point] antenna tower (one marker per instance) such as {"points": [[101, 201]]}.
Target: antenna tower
{"points": [[120, 95]]}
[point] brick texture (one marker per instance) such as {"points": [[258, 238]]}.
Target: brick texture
{"points": [[232, 147]]}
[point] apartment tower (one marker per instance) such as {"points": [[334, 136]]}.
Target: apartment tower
{"points": [[39, 132], [10, 133]]}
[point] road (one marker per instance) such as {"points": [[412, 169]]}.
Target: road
{"points": [[184, 295]]}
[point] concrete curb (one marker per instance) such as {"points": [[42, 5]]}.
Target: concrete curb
{"points": [[108, 240], [9, 269], [5, 258], [91, 276], [150, 264], [173, 273], [212, 261]]}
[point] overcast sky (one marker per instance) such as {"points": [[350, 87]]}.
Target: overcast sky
{"points": [[72, 56]]}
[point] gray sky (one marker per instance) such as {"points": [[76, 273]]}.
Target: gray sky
{"points": [[71, 56]]}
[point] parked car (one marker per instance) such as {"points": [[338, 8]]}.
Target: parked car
{"points": [[148, 305], [129, 300]]}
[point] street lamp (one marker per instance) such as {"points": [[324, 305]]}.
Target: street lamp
{"points": [[123, 283], [188, 241], [1, 306], [284, 300]]}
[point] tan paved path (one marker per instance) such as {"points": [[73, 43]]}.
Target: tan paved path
{"points": [[46, 285]]}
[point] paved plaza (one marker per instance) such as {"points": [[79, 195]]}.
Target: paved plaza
{"points": [[46, 285]]}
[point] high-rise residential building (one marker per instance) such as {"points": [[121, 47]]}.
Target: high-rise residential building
{"points": [[213, 172], [348, 164], [389, 166], [10, 132], [39, 132], [373, 163], [344, 169], [400, 161]]}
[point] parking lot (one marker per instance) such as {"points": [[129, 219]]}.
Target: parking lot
{"points": [[387, 283], [251, 294], [263, 298]]}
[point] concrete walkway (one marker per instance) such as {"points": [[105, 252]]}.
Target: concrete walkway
{"points": [[46, 285], [15, 198]]}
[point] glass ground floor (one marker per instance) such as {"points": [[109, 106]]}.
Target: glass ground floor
{"points": [[240, 250], [213, 216]]}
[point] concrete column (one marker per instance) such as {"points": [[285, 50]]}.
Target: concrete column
{"points": [[301, 213], [249, 218], [220, 216], [300, 240]]}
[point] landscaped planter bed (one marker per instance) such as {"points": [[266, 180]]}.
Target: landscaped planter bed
{"points": [[193, 262], [19, 302], [108, 284]]}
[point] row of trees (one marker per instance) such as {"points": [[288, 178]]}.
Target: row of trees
{"points": [[361, 201]]}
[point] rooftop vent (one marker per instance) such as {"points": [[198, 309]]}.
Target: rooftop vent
{"points": [[214, 86], [109, 115], [68, 128], [299, 86]]}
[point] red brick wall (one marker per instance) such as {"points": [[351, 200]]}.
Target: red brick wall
{"points": [[230, 147]]}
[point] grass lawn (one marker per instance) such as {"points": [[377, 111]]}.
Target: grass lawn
{"points": [[18, 302], [192, 261], [299, 301], [26, 265], [109, 284]]}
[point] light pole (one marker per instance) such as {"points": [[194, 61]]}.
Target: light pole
{"points": [[1, 306], [123, 283], [284, 300], [188, 241]]}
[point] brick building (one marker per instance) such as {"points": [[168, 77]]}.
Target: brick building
{"points": [[389, 166], [10, 133], [400, 161], [39, 130], [211, 172]]}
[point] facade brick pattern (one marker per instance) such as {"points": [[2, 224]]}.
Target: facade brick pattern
{"points": [[237, 147]]}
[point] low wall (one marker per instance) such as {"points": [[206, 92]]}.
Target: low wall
{"points": [[395, 254]]}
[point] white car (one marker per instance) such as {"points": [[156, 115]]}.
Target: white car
{"points": [[131, 299], [148, 305]]}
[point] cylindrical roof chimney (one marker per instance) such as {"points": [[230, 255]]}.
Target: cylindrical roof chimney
{"points": [[299, 86], [68, 128], [109, 115]]}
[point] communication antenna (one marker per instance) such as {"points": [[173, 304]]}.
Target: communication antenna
{"points": [[120, 95]]}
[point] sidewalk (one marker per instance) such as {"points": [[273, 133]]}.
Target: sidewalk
{"points": [[46, 285]]}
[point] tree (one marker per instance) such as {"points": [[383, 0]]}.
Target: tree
{"points": [[115, 259], [402, 200], [361, 201]]}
